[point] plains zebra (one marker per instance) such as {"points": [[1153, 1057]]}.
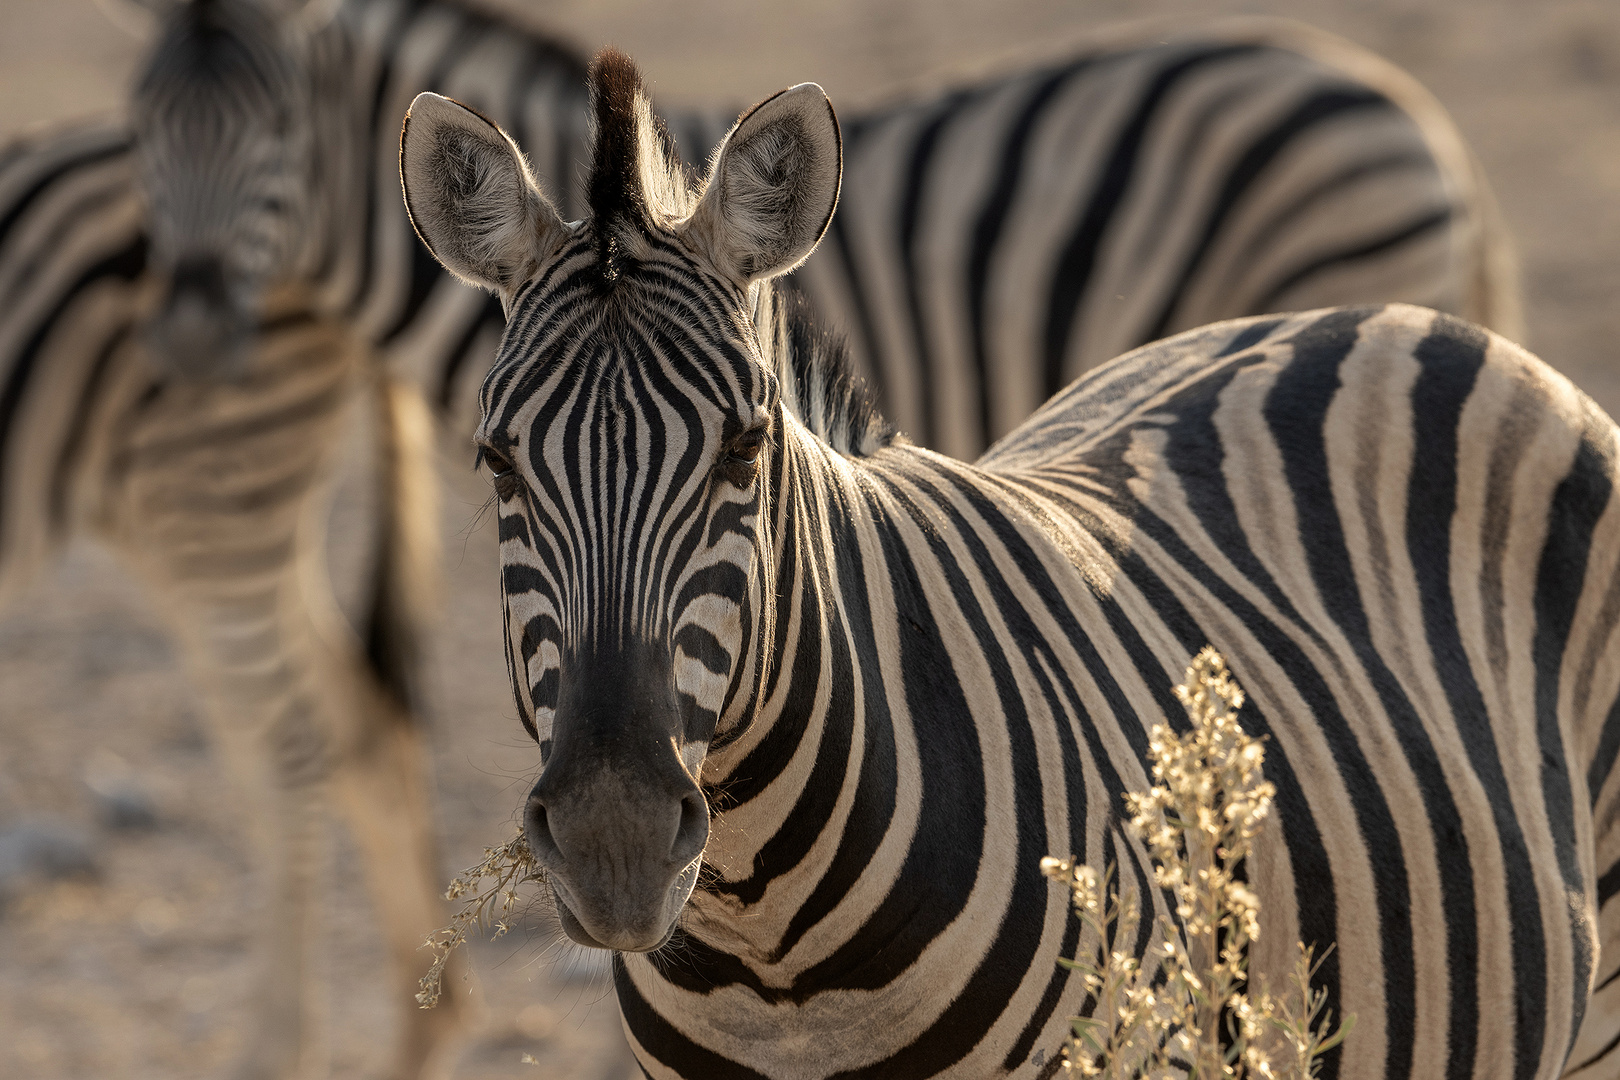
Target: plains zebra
{"points": [[216, 493], [260, 159], [812, 701]]}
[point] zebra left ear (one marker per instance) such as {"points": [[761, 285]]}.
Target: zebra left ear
{"points": [[773, 185], [471, 197]]}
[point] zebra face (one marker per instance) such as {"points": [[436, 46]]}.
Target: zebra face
{"points": [[223, 137], [628, 422], [633, 555]]}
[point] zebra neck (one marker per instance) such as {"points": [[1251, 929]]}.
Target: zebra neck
{"points": [[369, 63], [815, 767]]}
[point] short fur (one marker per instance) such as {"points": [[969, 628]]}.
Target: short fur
{"points": [[903, 679]]}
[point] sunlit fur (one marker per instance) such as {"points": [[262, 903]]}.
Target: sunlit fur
{"points": [[1400, 530], [1367, 194]]}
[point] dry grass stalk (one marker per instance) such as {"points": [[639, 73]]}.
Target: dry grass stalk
{"points": [[1198, 822], [508, 866]]}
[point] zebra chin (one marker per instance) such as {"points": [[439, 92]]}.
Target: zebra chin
{"points": [[613, 931]]}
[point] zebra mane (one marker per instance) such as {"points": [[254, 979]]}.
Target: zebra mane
{"points": [[637, 180], [817, 376]]}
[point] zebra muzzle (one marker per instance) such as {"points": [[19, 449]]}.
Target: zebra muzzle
{"points": [[622, 853], [199, 332]]}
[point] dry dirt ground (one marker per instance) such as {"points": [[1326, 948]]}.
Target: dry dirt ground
{"points": [[141, 970]]}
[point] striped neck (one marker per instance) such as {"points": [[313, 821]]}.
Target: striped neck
{"points": [[368, 63], [793, 766]]}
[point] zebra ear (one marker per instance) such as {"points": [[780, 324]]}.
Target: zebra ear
{"points": [[471, 197], [773, 185]]}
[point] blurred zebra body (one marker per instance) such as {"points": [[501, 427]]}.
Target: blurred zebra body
{"points": [[994, 243], [813, 701], [261, 160], [216, 494]]}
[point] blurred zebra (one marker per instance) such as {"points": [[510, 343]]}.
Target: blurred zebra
{"points": [[217, 493], [1196, 179], [813, 701]]}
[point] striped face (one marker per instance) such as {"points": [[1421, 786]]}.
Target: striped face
{"points": [[223, 133], [626, 432], [629, 436], [628, 422]]}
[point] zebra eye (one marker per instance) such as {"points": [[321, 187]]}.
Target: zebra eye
{"points": [[742, 457], [501, 474], [748, 445]]}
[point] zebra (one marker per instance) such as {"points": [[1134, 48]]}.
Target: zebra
{"points": [[812, 701], [254, 192], [216, 494]]}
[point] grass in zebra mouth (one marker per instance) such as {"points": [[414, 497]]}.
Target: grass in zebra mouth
{"points": [[1167, 1013], [483, 907]]}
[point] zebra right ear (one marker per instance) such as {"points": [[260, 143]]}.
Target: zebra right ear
{"points": [[471, 197], [773, 185]]}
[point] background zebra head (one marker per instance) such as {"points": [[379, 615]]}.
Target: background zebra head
{"points": [[224, 139], [629, 420]]}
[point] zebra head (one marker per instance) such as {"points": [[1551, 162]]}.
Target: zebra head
{"points": [[629, 423], [222, 118]]}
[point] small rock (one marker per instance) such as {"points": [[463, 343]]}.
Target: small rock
{"points": [[121, 800], [43, 847]]}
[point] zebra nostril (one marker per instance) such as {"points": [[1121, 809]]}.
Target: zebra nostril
{"points": [[692, 834], [537, 830]]}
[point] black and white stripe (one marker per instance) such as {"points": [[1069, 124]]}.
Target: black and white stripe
{"points": [[914, 677], [996, 242]]}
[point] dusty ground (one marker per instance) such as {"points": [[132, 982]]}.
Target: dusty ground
{"points": [[141, 971]]}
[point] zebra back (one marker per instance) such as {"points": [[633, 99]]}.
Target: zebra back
{"points": [[997, 240]]}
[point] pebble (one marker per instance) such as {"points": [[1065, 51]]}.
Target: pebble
{"points": [[43, 847]]}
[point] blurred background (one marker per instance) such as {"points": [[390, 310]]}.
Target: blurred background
{"points": [[132, 962]]}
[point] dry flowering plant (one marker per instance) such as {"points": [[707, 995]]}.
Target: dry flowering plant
{"points": [[1188, 1011], [507, 867]]}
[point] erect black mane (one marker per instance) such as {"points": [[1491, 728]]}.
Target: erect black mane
{"points": [[618, 201], [817, 376]]}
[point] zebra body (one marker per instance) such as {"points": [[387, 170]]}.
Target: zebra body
{"points": [[216, 495], [1133, 192], [137, 267], [813, 701]]}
